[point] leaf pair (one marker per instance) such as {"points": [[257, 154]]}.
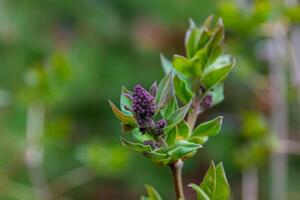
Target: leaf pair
{"points": [[214, 185]]}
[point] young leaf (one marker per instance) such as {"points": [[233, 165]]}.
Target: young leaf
{"points": [[155, 156], [201, 195], [214, 185], [135, 146], [183, 130], [198, 140], [165, 90], [217, 36], [177, 116], [216, 75], [209, 182], [182, 90], [217, 94], [152, 193], [166, 64], [172, 135], [192, 37], [125, 101], [126, 119], [181, 149], [137, 135], [223, 188], [183, 65], [167, 111], [209, 128]]}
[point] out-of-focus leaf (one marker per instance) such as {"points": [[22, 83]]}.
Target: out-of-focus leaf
{"points": [[135, 146], [182, 148], [182, 90], [165, 90], [126, 119], [209, 128], [177, 116], [152, 193]]}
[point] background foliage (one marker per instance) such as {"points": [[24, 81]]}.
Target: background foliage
{"points": [[71, 56]]}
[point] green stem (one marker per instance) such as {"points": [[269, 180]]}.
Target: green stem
{"points": [[177, 178]]}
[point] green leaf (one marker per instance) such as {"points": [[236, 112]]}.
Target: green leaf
{"points": [[209, 182], [223, 188], [216, 74], [125, 101], [137, 135], [177, 116], [198, 140], [172, 135], [184, 65], [152, 193], [192, 37], [217, 94], [166, 64], [209, 128], [167, 111], [183, 92], [214, 185], [217, 36], [135, 146], [155, 156], [201, 195], [183, 130], [165, 90], [214, 54], [181, 149], [126, 119]]}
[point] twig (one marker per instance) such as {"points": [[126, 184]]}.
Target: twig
{"points": [[177, 177]]}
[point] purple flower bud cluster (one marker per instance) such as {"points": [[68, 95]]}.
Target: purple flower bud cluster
{"points": [[143, 107]]}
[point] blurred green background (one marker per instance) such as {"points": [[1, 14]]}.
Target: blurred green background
{"points": [[61, 61]]}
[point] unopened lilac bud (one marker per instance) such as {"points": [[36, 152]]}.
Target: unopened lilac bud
{"points": [[143, 106], [207, 101], [161, 123]]}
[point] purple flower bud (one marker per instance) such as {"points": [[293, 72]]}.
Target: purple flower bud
{"points": [[161, 123], [207, 101], [143, 107]]}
